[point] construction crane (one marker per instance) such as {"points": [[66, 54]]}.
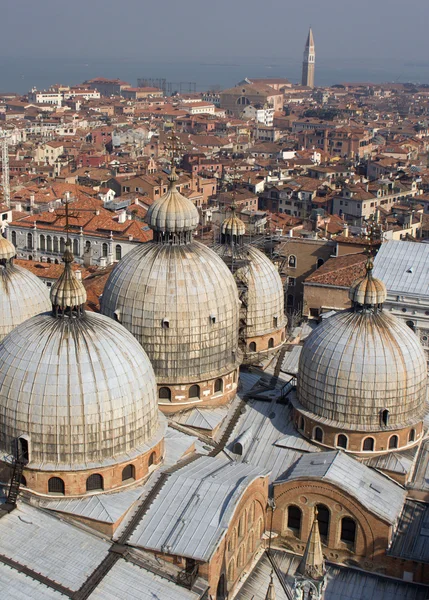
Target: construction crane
{"points": [[4, 137]]}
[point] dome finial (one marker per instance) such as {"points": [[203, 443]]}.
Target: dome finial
{"points": [[368, 291], [173, 146], [173, 218], [68, 295]]}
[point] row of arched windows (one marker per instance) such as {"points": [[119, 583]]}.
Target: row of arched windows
{"points": [[252, 345], [194, 392], [54, 244], [342, 441], [348, 526], [96, 481]]}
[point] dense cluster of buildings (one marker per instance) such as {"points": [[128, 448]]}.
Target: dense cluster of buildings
{"points": [[214, 341]]}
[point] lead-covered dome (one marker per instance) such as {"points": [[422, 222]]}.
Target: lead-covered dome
{"points": [[181, 303], [22, 294], [177, 297], [360, 363], [77, 385], [261, 286]]}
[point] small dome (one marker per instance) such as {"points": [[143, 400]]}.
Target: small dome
{"points": [[233, 226], [357, 364], [181, 303], [7, 249], [172, 213], [367, 290], [22, 295], [82, 389], [68, 291]]}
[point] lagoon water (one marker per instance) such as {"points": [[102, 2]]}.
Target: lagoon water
{"points": [[19, 74]]}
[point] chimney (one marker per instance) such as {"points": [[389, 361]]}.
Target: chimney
{"points": [[122, 217], [32, 199], [78, 275], [130, 237]]}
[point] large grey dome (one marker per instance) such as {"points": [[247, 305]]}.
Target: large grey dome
{"points": [[357, 364], [22, 295], [82, 389], [264, 295], [181, 303]]}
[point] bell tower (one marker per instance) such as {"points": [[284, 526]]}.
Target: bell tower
{"points": [[309, 61]]}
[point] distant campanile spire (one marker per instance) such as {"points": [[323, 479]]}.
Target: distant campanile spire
{"points": [[309, 61]]}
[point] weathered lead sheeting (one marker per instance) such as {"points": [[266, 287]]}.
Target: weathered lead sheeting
{"points": [[194, 507], [291, 360], [107, 508], [395, 462], [57, 550], [270, 423], [126, 581], [342, 583], [376, 492], [411, 539], [176, 444], [420, 479], [404, 267], [17, 586], [256, 585], [203, 418]]}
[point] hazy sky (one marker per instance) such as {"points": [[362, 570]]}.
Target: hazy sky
{"points": [[196, 29]]}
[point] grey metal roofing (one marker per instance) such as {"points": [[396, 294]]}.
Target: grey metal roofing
{"points": [[256, 585], [374, 491], [247, 381], [420, 480], [273, 430], [176, 444], [57, 550], [126, 581], [82, 389], [193, 509], [17, 586], [404, 267], [356, 364], [107, 508], [352, 584], [203, 418], [342, 583], [396, 462], [411, 538], [291, 360]]}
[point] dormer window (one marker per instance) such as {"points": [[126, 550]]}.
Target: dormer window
{"points": [[165, 324], [212, 319]]}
